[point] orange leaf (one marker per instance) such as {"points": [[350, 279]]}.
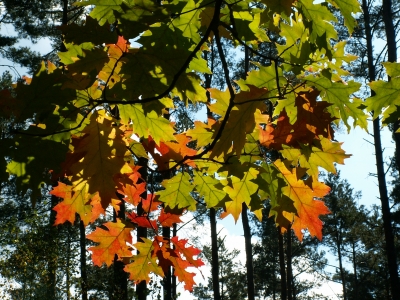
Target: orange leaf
{"points": [[112, 241], [167, 219], [183, 275], [302, 194], [312, 121], [150, 203], [173, 257], [76, 200]]}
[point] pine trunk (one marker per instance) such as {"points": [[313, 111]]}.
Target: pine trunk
{"points": [[282, 265], [82, 244], [289, 273], [53, 256], [214, 255], [341, 269], [355, 271], [249, 253], [383, 193], [213, 213], [174, 283]]}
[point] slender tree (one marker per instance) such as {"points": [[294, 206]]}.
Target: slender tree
{"points": [[381, 174]]}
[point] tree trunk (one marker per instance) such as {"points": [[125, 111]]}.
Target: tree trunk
{"points": [[245, 219], [53, 256], [387, 224], [274, 281], [390, 247], [289, 274], [282, 265], [68, 263], [249, 253], [341, 270], [174, 297], [392, 57], [355, 270], [82, 244], [212, 213], [214, 255], [141, 288]]}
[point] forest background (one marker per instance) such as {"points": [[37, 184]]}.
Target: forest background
{"points": [[361, 261]]}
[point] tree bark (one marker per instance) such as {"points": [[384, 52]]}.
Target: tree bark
{"points": [[249, 253], [214, 255], [289, 274], [341, 270], [53, 256], [355, 270], [68, 263], [383, 193], [392, 57], [282, 265], [174, 297], [212, 213], [82, 244]]}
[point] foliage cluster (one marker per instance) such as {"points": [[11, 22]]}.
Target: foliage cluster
{"points": [[102, 112]]}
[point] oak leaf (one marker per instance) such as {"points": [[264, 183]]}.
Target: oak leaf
{"points": [[112, 241], [143, 263], [303, 195]]}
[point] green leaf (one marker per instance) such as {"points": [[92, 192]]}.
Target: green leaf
{"points": [[30, 164], [145, 125], [90, 32], [207, 187], [387, 95], [297, 46], [347, 8], [38, 98], [103, 10], [241, 121], [189, 87], [318, 18], [240, 191], [264, 77], [188, 21], [177, 192], [324, 154]]}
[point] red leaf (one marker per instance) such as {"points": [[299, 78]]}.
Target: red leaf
{"points": [[142, 221], [188, 252], [150, 203], [167, 219]]}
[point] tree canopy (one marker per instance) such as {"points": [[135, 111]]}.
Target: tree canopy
{"points": [[102, 108]]}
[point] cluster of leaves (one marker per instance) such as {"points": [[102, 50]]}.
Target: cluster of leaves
{"points": [[102, 111]]}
